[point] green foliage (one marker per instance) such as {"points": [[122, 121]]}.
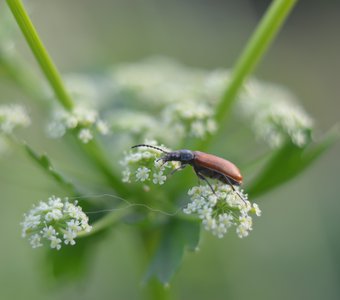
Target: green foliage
{"points": [[289, 161], [72, 263], [44, 162], [176, 236]]}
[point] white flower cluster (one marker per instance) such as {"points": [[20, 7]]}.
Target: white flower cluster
{"points": [[13, 116], [158, 81], [222, 209], [145, 166], [175, 95], [81, 118], [161, 99], [54, 222], [275, 114], [193, 119]]}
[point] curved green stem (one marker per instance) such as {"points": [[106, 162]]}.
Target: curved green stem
{"points": [[40, 52], [254, 51], [93, 151], [258, 44]]}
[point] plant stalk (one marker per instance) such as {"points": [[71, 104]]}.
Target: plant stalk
{"points": [[48, 67], [257, 46]]}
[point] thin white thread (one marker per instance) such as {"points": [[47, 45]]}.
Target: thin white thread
{"points": [[129, 204]]}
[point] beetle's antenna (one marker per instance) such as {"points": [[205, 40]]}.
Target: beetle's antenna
{"points": [[149, 146]]}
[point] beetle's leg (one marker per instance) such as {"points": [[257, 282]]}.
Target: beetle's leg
{"points": [[233, 188], [182, 166], [162, 159], [200, 176]]}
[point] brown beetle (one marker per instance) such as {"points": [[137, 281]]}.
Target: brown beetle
{"points": [[204, 164]]}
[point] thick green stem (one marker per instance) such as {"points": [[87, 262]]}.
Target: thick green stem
{"points": [[93, 151], [254, 51], [257, 46], [40, 52], [157, 291]]}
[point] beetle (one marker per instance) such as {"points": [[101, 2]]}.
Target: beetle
{"points": [[205, 165]]}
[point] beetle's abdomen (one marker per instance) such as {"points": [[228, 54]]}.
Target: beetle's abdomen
{"points": [[215, 167]]}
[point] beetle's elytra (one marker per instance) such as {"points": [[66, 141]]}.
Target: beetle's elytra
{"points": [[205, 165]]}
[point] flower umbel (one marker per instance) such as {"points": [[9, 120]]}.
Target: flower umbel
{"points": [[83, 118], [145, 165], [222, 209], [275, 121], [54, 222], [13, 116]]}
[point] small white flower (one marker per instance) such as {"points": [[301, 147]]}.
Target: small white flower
{"points": [[159, 178], [35, 240], [256, 210], [73, 210], [55, 202], [126, 175], [209, 223], [86, 227], [73, 225], [13, 116], [56, 129], [69, 237], [54, 214], [142, 174], [226, 220], [246, 222], [71, 121], [85, 135], [31, 221], [49, 232], [55, 243], [102, 127], [205, 212], [220, 230], [198, 129], [84, 115]]}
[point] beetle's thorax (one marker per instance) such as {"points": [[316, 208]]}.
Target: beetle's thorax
{"points": [[184, 156]]}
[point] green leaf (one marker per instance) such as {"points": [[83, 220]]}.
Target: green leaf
{"points": [[175, 237], [72, 262], [45, 163], [289, 161]]}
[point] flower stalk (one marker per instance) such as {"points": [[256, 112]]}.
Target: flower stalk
{"points": [[48, 67], [257, 46], [52, 74]]}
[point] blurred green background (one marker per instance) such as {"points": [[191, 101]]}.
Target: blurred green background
{"points": [[293, 252]]}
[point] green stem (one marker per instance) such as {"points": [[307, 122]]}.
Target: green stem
{"points": [[258, 44], [40, 52], [157, 291], [93, 151], [254, 51]]}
